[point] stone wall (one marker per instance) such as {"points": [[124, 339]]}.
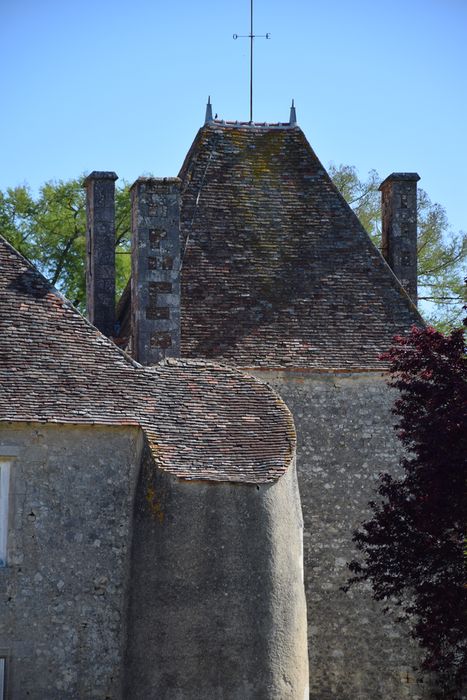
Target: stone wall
{"points": [[345, 439], [62, 593], [63, 589], [217, 605]]}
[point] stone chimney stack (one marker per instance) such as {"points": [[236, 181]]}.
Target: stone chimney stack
{"points": [[399, 224], [100, 247], [155, 269]]}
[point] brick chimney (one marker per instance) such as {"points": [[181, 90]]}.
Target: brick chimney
{"points": [[155, 269], [399, 224], [100, 247]]}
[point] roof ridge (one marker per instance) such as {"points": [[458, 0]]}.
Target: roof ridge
{"points": [[66, 302], [26, 260], [235, 123]]}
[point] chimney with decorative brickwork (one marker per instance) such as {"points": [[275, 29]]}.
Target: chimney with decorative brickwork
{"points": [[100, 245], [155, 271], [399, 228]]}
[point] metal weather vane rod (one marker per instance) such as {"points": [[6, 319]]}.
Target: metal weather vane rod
{"points": [[251, 36]]}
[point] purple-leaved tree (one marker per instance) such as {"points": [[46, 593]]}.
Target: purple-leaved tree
{"points": [[413, 549]]}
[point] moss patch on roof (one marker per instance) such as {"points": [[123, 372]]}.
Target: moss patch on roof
{"points": [[277, 269]]}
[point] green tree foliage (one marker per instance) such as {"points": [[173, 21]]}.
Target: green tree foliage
{"points": [[50, 230], [442, 254]]}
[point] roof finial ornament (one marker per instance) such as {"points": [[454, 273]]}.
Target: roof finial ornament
{"points": [[208, 117], [251, 37], [293, 115]]}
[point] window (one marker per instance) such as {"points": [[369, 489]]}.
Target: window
{"points": [[4, 498]]}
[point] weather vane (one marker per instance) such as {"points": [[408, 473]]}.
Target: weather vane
{"points": [[251, 37]]}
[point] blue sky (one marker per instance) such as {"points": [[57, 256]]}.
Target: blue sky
{"points": [[122, 86]]}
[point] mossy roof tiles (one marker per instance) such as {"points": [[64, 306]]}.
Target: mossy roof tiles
{"points": [[277, 269], [202, 420]]}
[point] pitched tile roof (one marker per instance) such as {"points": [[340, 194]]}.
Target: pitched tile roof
{"points": [[277, 269], [202, 420]]}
